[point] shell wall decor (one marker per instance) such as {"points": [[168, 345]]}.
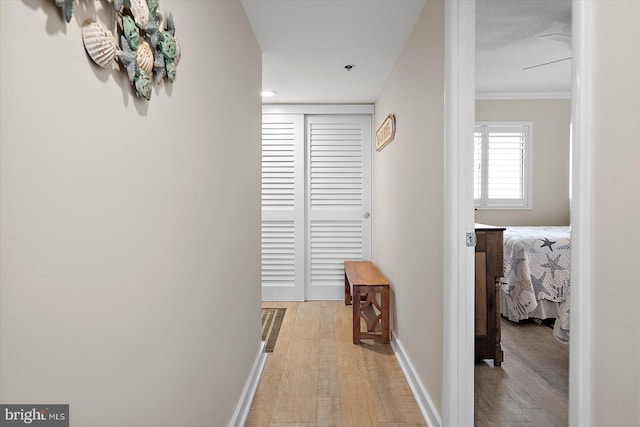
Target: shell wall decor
{"points": [[147, 49], [99, 43]]}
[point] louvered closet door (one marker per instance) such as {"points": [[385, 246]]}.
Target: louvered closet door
{"points": [[283, 208], [338, 200]]}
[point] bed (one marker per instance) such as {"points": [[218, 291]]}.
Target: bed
{"points": [[537, 276]]}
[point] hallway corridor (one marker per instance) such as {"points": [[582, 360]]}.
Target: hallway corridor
{"points": [[316, 376]]}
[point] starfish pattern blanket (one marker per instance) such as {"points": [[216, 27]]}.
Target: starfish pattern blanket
{"points": [[537, 263]]}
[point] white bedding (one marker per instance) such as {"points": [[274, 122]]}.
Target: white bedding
{"points": [[537, 263]]}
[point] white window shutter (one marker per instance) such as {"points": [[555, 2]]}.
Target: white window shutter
{"points": [[478, 169], [502, 165], [506, 147]]}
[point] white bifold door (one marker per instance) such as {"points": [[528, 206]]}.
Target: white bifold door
{"points": [[282, 207], [316, 203], [338, 222]]}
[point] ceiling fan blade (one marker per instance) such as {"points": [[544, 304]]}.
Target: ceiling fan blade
{"points": [[546, 63], [561, 37]]}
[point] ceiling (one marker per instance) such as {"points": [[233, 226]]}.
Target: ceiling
{"points": [[307, 43], [508, 40]]}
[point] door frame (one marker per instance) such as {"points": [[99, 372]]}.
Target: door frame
{"points": [[324, 109], [580, 349], [458, 337], [458, 271]]}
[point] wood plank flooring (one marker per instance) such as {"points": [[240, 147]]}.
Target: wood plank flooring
{"points": [[316, 376], [531, 387]]}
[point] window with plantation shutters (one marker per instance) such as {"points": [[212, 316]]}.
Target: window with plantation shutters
{"points": [[502, 165]]}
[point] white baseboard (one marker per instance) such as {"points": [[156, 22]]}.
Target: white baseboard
{"points": [[244, 405], [429, 411]]}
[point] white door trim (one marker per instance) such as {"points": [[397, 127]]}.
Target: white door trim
{"points": [[458, 334], [318, 109], [458, 289], [580, 349]]}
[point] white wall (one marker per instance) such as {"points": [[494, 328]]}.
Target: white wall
{"points": [[129, 251], [551, 120], [615, 357], [408, 201]]}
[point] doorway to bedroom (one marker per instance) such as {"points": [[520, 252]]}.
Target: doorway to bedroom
{"points": [[521, 186]]}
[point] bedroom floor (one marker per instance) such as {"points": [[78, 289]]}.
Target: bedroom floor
{"points": [[531, 387]]}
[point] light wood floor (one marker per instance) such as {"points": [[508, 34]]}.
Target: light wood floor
{"points": [[531, 387], [316, 376]]}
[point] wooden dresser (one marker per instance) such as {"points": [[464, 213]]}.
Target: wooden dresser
{"points": [[489, 266]]}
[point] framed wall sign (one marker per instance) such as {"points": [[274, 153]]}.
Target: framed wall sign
{"points": [[386, 132]]}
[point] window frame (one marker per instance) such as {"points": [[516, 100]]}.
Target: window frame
{"points": [[524, 203]]}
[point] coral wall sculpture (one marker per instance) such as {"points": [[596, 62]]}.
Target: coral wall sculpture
{"points": [[148, 49]]}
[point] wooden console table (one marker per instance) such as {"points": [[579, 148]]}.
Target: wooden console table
{"points": [[367, 283]]}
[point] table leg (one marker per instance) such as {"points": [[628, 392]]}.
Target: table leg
{"points": [[385, 315], [356, 314], [347, 290]]}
